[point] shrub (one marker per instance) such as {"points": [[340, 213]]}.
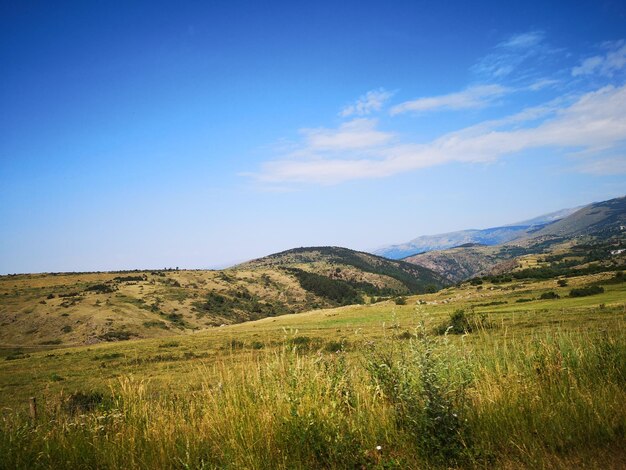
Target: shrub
{"points": [[107, 356], [12, 356], [461, 322], [132, 278], [585, 291], [50, 342], [400, 300], [335, 346], [234, 344], [117, 335], [156, 324], [70, 294], [100, 289], [562, 282], [80, 402], [489, 304], [303, 343], [404, 335], [549, 296]]}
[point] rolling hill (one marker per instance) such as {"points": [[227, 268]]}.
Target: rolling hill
{"points": [[87, 308], [374, 274]]}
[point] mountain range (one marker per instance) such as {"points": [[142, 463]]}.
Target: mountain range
{"points": [[598, 224], [488, 236]]}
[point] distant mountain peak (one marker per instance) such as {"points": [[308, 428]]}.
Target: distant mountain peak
{"points": [[489, 236]]}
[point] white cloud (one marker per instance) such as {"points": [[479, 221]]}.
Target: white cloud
{"points": [[373, 100], [356, 134], [594, 123], [606, 65], [473, 97]]}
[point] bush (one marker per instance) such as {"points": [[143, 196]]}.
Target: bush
{"points": [[400, 300], [100, 289], [562, 282], [50, 342], [461, 322], [156, 324], [303, 343], [69, 294], [80, 402], [549, 296], [335, 346], [12, 356], [234, 344], [107, 356], [404, 335], [117, 336], [586, 291]]}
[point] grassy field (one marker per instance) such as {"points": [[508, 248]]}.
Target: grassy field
{"points": [[533, 383]]}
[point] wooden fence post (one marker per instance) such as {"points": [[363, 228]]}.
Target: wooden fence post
{"points": [[33, 408]]}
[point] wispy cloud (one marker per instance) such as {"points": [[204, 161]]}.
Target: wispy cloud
{"points": [[510, 54], [607, 65], [371, 101], [595, 123], [356, 134], [542, 83], [604, 166], [473, 97], [523, 40]]}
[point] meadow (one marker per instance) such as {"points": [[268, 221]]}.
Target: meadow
{"points": [[527, 382]]}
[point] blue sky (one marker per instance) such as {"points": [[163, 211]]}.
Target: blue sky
{"points": [[199, 134]]}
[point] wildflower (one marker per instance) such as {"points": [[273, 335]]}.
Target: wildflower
{"points": [[379, 448]]}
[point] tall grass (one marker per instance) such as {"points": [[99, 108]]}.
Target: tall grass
{"points": [[555, 400]]}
